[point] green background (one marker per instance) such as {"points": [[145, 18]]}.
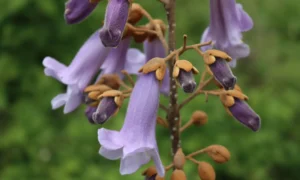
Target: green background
{"points": [[39, 143]]}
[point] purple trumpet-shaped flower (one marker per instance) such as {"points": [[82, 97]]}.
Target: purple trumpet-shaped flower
{"points": [[77, 10], [227, 22], [244, 114], [115, 20], [78, 74], [223, 73], [187, 81], [155, 49], [106, 108], [123, 58], [135, 143]]}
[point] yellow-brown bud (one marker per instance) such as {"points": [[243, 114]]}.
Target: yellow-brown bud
{"points": [[218, 153], [184, 65], [206, 171], [179, 159], [135, 14], [178, 175], [199, 118]]}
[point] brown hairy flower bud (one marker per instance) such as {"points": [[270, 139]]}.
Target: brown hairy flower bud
{"points": [[156, 64], [206, 171], [135, 14], [92, 92], [111, 80], [227, 100], [199, 118], [178, 175], [210, 56], [151, 174], [179, 159], [151, 26], [218, 153]]}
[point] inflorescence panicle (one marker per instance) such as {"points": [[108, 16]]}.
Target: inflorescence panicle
{"points": [[107, 57]]}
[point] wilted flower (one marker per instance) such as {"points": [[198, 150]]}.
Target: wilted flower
{"points": [[154, 49], [115, 20], [135, 143], [78, 10], [227, 22], [78, 74]]}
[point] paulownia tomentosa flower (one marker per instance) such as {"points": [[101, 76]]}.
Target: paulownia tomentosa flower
{"points": [[135, 144], [227, 22], [86, 64]]}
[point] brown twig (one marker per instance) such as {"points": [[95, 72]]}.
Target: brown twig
{"points": [[163, 107], [192, 159], [128, 77], [187, 125], [196, 93], [196, 153], [162, 122], [167, 168]]}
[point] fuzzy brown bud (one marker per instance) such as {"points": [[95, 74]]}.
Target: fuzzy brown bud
{"points": [[206, 171], [179, 159], [218, 153], [156, 64], [178, 175], [199, 118], [151, 174]]}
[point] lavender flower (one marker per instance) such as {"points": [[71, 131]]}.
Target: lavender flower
{"points": [[78, 74], [123, 58], [115, 20], [227, 22], [244, 114], [135, 143], [222, 73], [77, 10], [155, 49]]}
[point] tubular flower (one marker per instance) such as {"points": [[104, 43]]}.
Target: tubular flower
{"points": [[227, 22], [77, 10], [78, 74], [123, 58], [154, 49], [135, 144], [115, 20]]}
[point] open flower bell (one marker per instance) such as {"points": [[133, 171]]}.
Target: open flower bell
{"points": [[135, 144], [227, 22]]}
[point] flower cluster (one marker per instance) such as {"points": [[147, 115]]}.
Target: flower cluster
{"points": [[107, 57]]}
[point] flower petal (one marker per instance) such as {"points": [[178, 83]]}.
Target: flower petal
{"points": [[53, 67], [111, 154], [78, 10], [109, 139], [135, 59], [245, 20]]}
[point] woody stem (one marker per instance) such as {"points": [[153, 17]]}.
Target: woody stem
{"points": [[173, 113]]}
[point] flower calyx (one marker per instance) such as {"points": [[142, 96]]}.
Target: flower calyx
{"points": [[156, 65]]}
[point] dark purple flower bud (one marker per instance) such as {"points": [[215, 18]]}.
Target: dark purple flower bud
{"points": [[244, 114], [89, 113], [78, 10], [115, 21], [106, 108], [186, 81], [223, 73]]}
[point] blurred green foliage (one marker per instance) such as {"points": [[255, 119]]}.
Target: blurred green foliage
{"points": [[39, 143]]}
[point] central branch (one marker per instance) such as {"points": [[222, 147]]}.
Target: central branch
{"points": [[173, 114]]}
